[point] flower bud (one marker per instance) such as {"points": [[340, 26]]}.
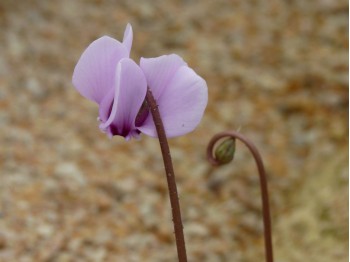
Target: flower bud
{"points": [[225, 151]]}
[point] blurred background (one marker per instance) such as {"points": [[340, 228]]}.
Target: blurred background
{"points": [[276, 69]]}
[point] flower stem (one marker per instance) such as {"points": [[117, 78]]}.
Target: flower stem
{"points": [[263, 183], [170, 175]]}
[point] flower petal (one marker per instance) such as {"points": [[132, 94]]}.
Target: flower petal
{"points": [[128, 36], [181, 104], [94, 73], [160, 70], [129, 94], [106, 106]]}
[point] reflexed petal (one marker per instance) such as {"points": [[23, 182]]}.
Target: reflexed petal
{"points": [[160, 70], [106, 106], [94, 73], [181, 104], [128, 36], [130, 92]]}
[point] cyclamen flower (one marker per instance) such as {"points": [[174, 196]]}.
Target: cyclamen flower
{"points": [[106, 75]]}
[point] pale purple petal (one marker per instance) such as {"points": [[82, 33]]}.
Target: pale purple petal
{"points": [[160, 70], [181, 104], [129, 94], [94, 73], [106, 105], [128, 36]]}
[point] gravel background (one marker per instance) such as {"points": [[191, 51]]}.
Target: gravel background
{"points": [[276, 69]]}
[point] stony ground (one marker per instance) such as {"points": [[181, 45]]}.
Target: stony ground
{"points": [[276, 69]]}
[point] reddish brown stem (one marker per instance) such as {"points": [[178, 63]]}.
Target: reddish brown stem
{"points": [[263, 183], [170, 175]]}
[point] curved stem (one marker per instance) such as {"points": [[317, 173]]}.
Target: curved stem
{"points": [[263, 183], [170, 175]]}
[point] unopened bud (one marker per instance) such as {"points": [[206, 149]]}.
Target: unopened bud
{"points": [[224, 152]]}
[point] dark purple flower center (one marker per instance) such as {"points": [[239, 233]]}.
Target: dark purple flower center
{"points": [[125, 128], [124, 131]]}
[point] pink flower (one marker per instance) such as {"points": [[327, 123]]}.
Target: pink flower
{"points": [[106, 75]]}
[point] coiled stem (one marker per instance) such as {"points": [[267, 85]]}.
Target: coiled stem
{"points": [[263, 182]]}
